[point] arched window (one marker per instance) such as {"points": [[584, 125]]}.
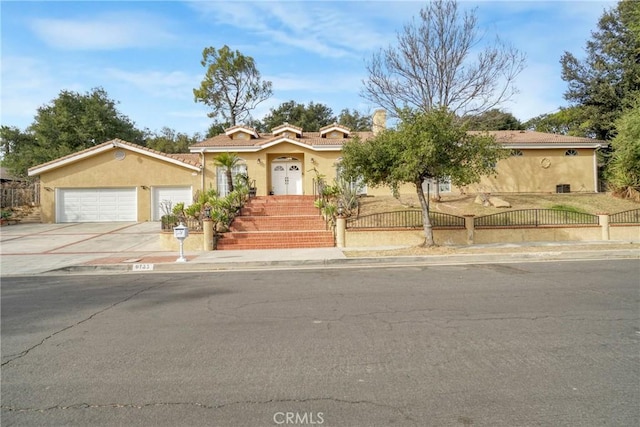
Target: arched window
{"points": [[517, 153], [571, 152]]}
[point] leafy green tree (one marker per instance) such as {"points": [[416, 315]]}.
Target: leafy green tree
{"points": [[494, 119], [424, 146], [17, 150], [76, 121], [227, 161], [216, 128], [232, 85], [69, 123], [441, 61], [566, 121], [355, 121], [309, 117], [623, 171], [606, 81], [169, 141]]}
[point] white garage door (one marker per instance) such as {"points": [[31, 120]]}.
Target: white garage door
{"points": [[97, 205], [169, 196]]}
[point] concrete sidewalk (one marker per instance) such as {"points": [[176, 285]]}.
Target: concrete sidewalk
{"points": [[29, 249]]}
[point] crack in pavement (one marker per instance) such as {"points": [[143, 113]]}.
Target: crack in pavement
{"points": [[206, 406], [66, 328]]}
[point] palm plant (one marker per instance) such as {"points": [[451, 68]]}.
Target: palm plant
{"points": [[227, 161]]}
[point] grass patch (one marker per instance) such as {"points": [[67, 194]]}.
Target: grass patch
{"points": [[568, 208]]}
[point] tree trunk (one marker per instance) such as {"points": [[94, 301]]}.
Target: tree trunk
{"points": [[229, 180], [436, 193], [424, 204]]}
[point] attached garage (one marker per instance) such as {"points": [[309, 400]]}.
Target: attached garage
{"points": [[171, 196], [115, 181], [97, 204]]}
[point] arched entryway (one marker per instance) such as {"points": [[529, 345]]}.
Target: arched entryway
{"points": [[286, 176]]}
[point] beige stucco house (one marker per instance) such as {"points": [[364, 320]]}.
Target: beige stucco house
{"points": [[119, 181], [287, 160]]}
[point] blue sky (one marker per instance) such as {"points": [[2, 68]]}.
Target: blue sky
{"points": [[146, 54]]}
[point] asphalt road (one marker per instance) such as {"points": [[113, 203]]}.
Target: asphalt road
{"points": [[485, 345]]}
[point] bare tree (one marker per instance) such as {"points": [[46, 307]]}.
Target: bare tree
{"points": [[431, 66]]}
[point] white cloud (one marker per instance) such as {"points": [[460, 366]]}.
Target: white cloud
{"points": [[27, 84], [316, 27], [107, 32], [159, 84]]}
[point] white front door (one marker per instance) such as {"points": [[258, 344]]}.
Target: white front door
{"points": [[286, 177]]}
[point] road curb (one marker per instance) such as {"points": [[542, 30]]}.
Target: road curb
{"points": [[425, 260]]}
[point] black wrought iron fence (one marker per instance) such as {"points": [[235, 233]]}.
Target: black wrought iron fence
{"points": [[168, 222], [627, 217], [405, 219], [535, 218]]}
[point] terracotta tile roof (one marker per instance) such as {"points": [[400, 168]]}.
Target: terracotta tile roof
{"points": [[533, 137], [315, 139], [335, 126], [239, 128], [190, 158], [312, 139], [284, 126]]}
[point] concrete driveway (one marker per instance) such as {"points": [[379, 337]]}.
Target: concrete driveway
{"points": [[36, 248]]}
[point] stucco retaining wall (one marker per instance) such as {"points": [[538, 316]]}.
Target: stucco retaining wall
{"points": [[624, 232], [396, 237], [382, 237], [537, 234], [195, 241]]}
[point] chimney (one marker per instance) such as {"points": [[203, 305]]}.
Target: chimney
{"points": [[379, 121]]}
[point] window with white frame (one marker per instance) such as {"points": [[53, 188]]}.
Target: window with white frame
{"points": [[358, 185], [221, 174], [443, 185]]}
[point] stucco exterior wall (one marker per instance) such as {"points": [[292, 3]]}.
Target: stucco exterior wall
{"points": [[540, 171], [104, 171], [536, 171], [324, 162]]}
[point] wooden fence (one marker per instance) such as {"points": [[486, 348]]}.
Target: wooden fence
{"points": [[13, 196]]}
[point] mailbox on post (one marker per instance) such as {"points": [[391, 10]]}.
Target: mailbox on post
{"points": [[181, 232]]}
